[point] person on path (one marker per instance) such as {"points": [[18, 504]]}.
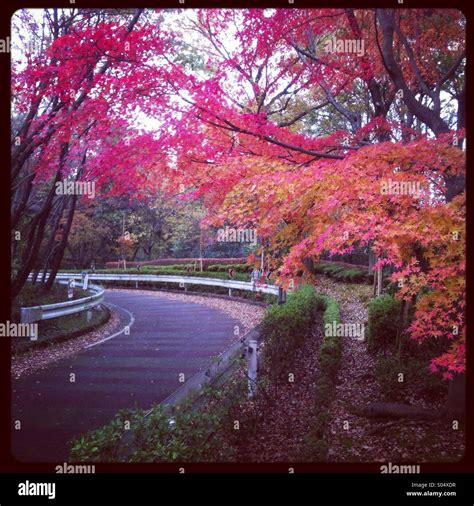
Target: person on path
{"points": [[255, 277]]}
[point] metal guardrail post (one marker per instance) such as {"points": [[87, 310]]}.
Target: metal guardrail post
{"points": [[281, 295], [85, 280], [253, 364]]}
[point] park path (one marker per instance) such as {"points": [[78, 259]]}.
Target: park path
{"points": [[167, 338], [357, 385], [354, 438]]}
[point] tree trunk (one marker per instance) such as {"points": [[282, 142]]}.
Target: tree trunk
{"points": [[309, 264], [374, 291], [395, 410], [379, 281], [371, 258], [50, 247], [25, 189], [59, 251], [35, 237]]}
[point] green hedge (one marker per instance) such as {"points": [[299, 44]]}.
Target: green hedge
{"points": [[329, 364], [242, 268], [285, 327], [173, 271], [331, 345], [192, 437], [182, 261], [344, 273], [384, 321], [194, 274]]}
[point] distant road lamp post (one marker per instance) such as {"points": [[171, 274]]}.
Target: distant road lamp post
{"points": [[200, 246], [122, 246]]}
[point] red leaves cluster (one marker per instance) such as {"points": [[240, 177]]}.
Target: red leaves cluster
{"points": [[227, 121]]}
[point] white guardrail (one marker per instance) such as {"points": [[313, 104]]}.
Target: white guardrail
{"points": [[183, 281], [48, 311], [32, 314]]}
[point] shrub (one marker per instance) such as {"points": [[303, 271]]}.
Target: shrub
{"points": [[266, 298], [152, 438], [175, 271], [102, 444], [417, 379], [179, 270], [384, 321], [329, 363], [330, 352], [285, 327], [183, 433]]}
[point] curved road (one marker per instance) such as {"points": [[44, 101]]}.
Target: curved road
{"points": [[167, 338]]}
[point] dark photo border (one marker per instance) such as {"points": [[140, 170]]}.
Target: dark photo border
{"points": [[311, 483]]}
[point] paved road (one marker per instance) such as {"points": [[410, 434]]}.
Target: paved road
{"points": [[167, 338]]}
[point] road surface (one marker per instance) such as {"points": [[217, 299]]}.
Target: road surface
{"points": [[167, 338]]}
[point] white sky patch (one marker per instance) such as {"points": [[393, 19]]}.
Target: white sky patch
{"points": [[183, 22]]}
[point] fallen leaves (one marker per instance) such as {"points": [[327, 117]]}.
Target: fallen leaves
{"points": [[42, 357]]}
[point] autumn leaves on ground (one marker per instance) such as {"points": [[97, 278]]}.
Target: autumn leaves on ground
{"points": [[322, 150], [286, 413]]}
